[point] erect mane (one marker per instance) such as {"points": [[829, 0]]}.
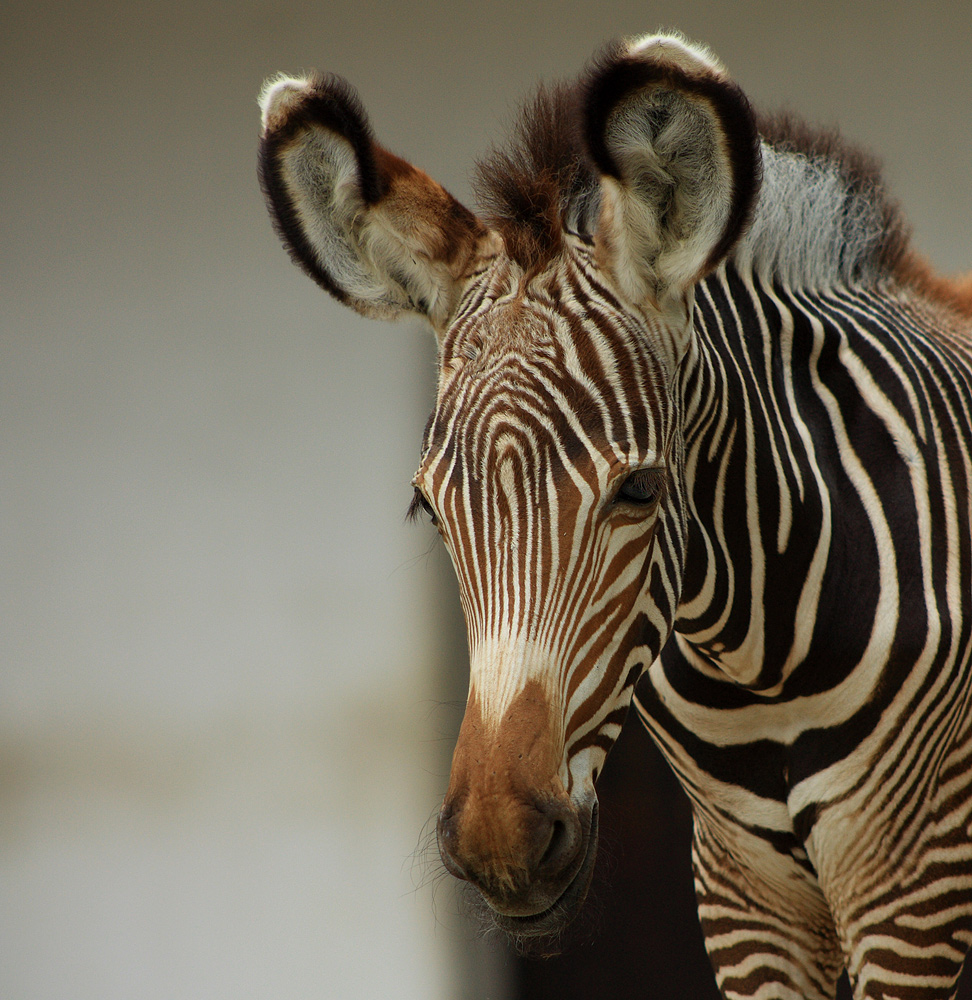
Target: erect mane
{"points": [[543, 183], [823, 215]]}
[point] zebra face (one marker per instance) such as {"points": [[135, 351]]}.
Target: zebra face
{"points": [[550, 470], [552, 463]]}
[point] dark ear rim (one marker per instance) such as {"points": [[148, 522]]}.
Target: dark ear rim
{"points": [[617, 74], [331, 102]]}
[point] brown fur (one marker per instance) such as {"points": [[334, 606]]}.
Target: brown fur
{"points": [[529, 189], [955, 293], [426, 214], [501, 772]]}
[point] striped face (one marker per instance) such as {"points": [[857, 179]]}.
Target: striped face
{"points": [[552, 464], [548, 468]]}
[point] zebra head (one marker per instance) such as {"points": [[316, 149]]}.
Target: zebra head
{"points": [[552, 464]]}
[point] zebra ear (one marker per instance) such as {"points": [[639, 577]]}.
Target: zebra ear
{"points": [[371, 229], [676, 144]]}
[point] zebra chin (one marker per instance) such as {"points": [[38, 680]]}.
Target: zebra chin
{"points": [[539, 935]]}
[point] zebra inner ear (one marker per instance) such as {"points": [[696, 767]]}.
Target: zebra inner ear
{"points": [[676, 144], [371, 229]]}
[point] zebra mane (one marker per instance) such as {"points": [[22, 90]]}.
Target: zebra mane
{"points": [[543, 183], [822, 215]]}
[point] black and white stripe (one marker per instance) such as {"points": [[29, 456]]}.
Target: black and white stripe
{"points": [[815, 697], [729, 468]]}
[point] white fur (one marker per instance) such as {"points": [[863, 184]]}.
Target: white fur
{"points": [[321, 174], [278, 95], [674, 48], [806, 231]]}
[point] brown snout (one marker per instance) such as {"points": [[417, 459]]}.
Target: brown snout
{"points": [[507, 824]]}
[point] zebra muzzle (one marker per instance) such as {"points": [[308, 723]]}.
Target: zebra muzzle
{"points": [[539, 884], [508, 826]]}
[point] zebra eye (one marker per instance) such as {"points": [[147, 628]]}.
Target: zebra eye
{"points": [[420, 503], [642, 488]]}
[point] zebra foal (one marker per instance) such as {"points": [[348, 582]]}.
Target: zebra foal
{"points": [[703, 438]]}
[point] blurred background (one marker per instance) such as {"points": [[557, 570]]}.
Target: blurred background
{"points": [[230, 675]]}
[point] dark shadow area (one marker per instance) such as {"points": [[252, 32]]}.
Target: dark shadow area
{"points": [[639, 937]]}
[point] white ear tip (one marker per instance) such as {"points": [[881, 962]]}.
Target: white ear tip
{"points": [[278, 95], [674, 48]]}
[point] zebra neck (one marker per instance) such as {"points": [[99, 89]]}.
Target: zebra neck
{"points": [[762, 536]]}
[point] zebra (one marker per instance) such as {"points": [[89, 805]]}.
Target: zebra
{"points": [[702, 443]]}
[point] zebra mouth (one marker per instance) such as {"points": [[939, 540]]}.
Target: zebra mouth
{"points": [[537, 934]]}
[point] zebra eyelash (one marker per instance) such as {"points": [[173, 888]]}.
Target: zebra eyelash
{"points": [[643, 488], [417, 504]]}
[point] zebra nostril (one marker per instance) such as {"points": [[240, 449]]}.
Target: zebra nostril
{"points": [[561, 848], [554, 847], [445, 834]]}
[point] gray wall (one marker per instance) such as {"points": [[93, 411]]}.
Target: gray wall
{"points": [[227, 671]]}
